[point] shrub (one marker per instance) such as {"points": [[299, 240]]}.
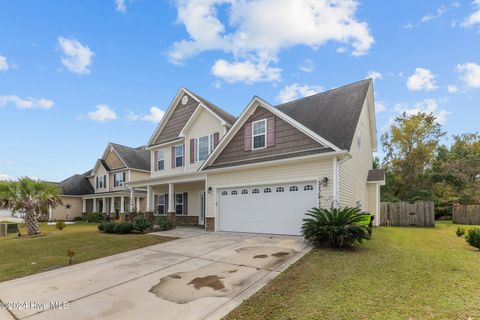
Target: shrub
{"points": [[473, 237], [123, 227], [140, 224], [336, 227], [60, 225], [460, 231], [78, 219], [109, 227], [164, 223], [101, 226], [94, 217]]}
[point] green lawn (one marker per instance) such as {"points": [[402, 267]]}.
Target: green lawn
{"points": [[28, 255], [402, 273]]}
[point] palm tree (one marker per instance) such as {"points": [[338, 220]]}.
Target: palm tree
{"points": [[31, 197]]}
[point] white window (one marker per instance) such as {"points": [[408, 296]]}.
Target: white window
{"points": [[280, 189], [234, 192], [255, 191], [178, 203], [267, 190], [179, 155], [203, 148], [161, 204], [101, 182], [224, 193], [308, 187], [119, 179], [161, 159], [293, 188], [259, 134], [244, 191]]}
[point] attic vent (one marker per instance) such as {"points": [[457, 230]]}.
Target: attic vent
{"points": [[184, 99]]}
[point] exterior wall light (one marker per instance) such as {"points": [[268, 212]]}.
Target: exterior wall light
{"points": [[325, 182], [209, 189]]}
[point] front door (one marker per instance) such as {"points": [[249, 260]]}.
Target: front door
{"points": [[201, 216]]}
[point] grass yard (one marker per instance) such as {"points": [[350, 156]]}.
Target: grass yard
{"points": [[28, 255], [402, 273]]}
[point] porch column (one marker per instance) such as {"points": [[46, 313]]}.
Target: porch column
{"points": [[171, 203], [122, 204], [132, 203], [84, 205], [149, 198], [112, 205], [137, 206], [94, 205], [104, 205]]}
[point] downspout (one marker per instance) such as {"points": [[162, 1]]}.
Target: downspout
{"points": [[337, 178]]}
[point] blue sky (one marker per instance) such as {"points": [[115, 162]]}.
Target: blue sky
{"points": [[77, 75]]}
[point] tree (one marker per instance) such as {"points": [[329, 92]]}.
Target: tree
{"points": [[32, 197], [410, 148]]}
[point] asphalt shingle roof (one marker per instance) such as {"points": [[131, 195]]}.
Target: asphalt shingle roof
{"points": [[77, 185], [376, 175], [136, 158], [230, 119], [332, 114]]}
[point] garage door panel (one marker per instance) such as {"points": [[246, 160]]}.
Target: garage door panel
{"points": [[266, 212]]}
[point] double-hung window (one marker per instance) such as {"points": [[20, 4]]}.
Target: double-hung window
{"points": [[119, 179], [203, 148], [179, 203], [161, 204], [160, 159], [259, 134], [101, 182], [179, 155]]}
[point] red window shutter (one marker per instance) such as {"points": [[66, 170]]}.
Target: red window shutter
{"points": [[192, 150], [173, 157], [183, 155], [155, 160], [247, 141], [216, 139], [270, 132], [185, 203]]}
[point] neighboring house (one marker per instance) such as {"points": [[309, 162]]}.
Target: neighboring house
{"points": [[103, 189], [262, 171]]}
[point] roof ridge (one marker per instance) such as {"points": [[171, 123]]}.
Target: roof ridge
{"points": [[323, 92], [211, 103]]}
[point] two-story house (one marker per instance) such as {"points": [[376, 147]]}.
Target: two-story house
{"points": [[262, 171], [103, 189], [259, 172]]}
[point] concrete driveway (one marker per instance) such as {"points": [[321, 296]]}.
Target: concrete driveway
{"points": [[203, 275]]}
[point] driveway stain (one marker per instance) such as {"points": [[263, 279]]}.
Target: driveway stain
{"points": [[211, 281], [280, 254], [260, 256]]}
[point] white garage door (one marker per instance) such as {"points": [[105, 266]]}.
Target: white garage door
{"points": [[277, 209]]}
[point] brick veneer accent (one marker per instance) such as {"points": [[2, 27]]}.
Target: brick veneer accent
{"points": [[210, 224], [173, 216], [187, 220]]}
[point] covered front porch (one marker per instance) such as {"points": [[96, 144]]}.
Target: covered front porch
{"points": [[182, 198], [115, 203]]}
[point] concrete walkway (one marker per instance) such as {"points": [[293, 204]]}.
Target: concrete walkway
{"points": [[203, 275]]}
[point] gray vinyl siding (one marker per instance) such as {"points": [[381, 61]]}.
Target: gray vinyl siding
{"points": [[288, 139]]}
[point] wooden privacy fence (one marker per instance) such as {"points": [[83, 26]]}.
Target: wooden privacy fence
{"points": [[404, 214], [466, 213]]}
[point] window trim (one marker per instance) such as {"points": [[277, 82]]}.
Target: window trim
{"points": [[179, 204], [160, 152], [259, 134], [197, 147], [102, 183], [161, 196], [182, 155]]}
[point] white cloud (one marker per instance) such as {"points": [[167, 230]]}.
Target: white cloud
{"points": [[427, 106], [28, 103], [258, 30], [76, 57], [380, 107], [470, 74], [103, 113], [120, 6], [438, 13], [156, 114], [296, 91], [422, 79], [5, 163], [374, 75], [4, 65], [307, 66], [4, 177], [341, 50], [452, 89], [246, 71], [474, 18]]}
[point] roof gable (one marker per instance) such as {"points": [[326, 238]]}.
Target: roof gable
{"points": [[133, 158], [331, 114]]}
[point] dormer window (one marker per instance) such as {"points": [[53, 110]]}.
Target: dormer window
{"points": [[101, 182], [119, 179], [259, 134]]}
